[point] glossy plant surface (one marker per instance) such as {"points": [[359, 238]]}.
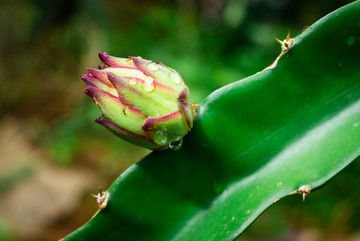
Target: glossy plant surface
{"points": [[253, 142]]}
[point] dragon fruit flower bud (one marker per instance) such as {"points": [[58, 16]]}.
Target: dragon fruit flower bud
{"points": [[142, 102]]}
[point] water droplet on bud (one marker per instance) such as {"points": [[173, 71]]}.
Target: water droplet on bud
{"points": [[160, 137], [148, 84], [153, 66], [132, 81], [148, 87], [175, 77], [176, 144]]}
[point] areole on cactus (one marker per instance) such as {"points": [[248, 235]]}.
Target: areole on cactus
{"points": [[142, 102]]}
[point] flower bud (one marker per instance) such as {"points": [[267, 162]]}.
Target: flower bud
{"points": [[143, 102]]}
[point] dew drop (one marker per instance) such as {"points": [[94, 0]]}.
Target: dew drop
{"points": [[148, 87], [132, 81], [176, 144], [148, 84], [175, 77], [153, 66], [160, 137]]}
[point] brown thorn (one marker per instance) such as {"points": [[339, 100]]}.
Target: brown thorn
{"points": [[279, 41], [99, 195], [101, 198], [304, 190], [288, 36]]}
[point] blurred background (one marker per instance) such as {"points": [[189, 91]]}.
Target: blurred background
{"points": [[53, 155]]}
